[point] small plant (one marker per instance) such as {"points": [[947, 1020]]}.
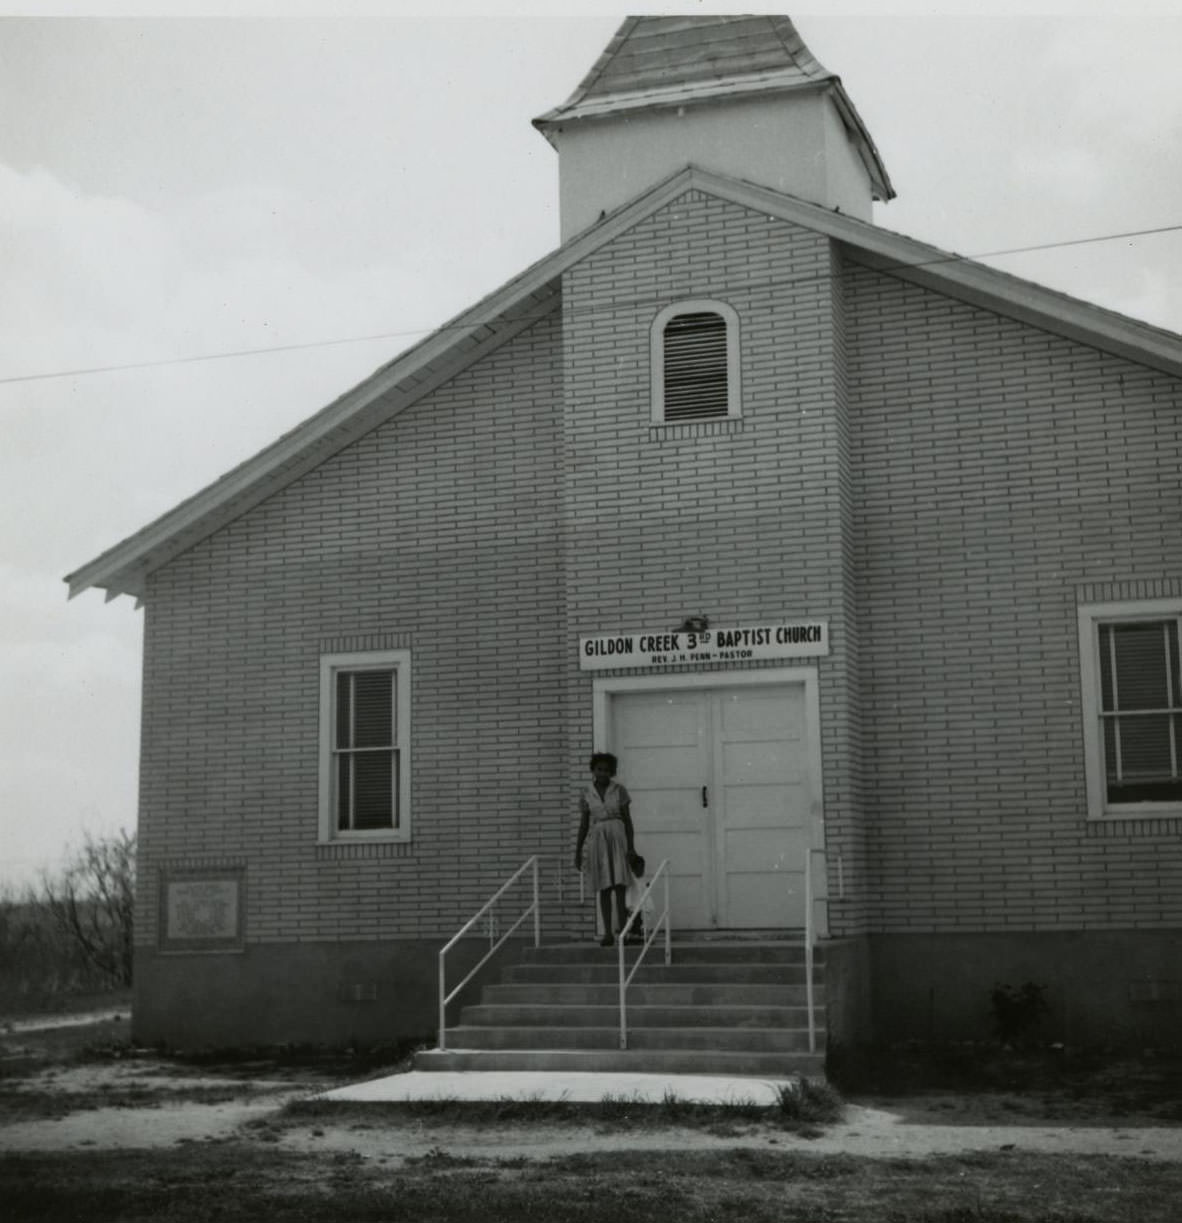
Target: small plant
{"points": [[809, 1100], [673, 1107], [1017, 1011]]}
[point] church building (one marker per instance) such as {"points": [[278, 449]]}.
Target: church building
{"points": [[865, 561]]}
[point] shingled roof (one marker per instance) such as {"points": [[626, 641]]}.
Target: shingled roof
{"points": [[657, 62]]}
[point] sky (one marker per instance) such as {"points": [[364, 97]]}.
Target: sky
{"points": [[176, 190]]}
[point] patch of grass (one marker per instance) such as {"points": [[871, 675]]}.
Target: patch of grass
{"points": [[37, 1103], [809, 1102], [625, 1112], [233, 1183], [1060, 1083], [23, 1052], [348, 1060]]}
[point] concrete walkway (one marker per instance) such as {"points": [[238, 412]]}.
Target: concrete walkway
{"points": [[570, 1087]]}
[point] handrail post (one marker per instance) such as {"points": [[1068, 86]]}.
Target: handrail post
{"points": [[808, 947], [621, 939], [442, 1005], [537, 908], [668, 926], [623, 988], [473, 924]]}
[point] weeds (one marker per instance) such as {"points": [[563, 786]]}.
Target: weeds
{"points": [[813, 1104], [809, 1101], [1016, 1012]]}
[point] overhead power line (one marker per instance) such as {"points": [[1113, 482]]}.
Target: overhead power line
{"points": [[421, 331]]}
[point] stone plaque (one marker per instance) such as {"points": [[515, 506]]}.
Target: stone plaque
{"points": [[203, 912]]}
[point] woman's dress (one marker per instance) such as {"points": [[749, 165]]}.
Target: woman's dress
{"points": [[606, 848]]}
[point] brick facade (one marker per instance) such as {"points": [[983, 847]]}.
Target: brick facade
{"points": [[941, 484], [437, 532], [1003, 474]]}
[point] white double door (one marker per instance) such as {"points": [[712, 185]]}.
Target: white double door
{"points": [[724, 783]]}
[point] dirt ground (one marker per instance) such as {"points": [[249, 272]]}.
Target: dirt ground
{"points": [[81, 1087]]}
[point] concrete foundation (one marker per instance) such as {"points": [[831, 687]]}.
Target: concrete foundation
{"points": [[302, 993], [1116, 988], [1102, 987], [850, 1019]]}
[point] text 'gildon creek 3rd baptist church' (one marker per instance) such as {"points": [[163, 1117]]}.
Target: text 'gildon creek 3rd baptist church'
{"points": [[808, 638]]}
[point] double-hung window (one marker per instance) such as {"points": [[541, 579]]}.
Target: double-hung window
{"points": [[364, 741], [1132, 700]]}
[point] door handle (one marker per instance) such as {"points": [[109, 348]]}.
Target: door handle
{"points": [[705, 799]]}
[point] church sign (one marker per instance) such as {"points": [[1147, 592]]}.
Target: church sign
{"points": [[681, 647]]}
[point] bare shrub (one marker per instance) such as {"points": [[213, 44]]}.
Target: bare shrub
{"points": [[91, 900]]}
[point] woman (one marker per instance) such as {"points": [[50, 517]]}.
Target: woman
{"points": [[605, 808]]}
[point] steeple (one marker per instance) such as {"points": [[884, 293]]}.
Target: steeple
{"points": [[738, 95]]}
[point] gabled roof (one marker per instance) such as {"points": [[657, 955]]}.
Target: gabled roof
{"points": [[660, 62], [535, 292]]}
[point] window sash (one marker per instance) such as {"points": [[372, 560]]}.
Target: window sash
{"points": [[1137, 711], [364, 712], [365, 767]]}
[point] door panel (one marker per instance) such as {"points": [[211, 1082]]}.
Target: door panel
{"points": [[660, 739], [763, 805], [738, 861]]}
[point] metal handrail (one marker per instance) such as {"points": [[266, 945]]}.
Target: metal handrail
{"points": [[533, 907], [809, 935], [663, 869]]}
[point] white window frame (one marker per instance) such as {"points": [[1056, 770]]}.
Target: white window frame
{"points": [[331, 665], [694, 305], [1090, 619]]}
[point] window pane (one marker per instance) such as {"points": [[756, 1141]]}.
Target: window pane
{"points": [[1148, 759], [373, 709], [1141, 666], [1106, 667], [1145, 792], [344, 789], [1175, 666], [344, 706], [1145, 747], [373, 803]]}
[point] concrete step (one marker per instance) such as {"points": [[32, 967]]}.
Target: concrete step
{"points": [[723, 1015], [740, 1040], [778, 1065], [641, 994], [658, 973], [716, 952]]}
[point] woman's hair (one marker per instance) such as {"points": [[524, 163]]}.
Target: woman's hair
{"points": [[607, 758]]}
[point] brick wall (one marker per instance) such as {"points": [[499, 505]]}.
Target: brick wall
{"points": [[1002, 474], [436, 532], [740, 521], [942, 485]]}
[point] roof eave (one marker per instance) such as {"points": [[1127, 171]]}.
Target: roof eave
{"points": [[771, 85]]}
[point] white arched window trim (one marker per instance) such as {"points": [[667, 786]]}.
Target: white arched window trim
{"points": [[694, 305]]}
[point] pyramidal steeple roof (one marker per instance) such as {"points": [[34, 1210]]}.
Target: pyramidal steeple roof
{"points": [[657, 62]]}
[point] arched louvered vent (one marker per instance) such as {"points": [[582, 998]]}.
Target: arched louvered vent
{"points": [[695, 366]]}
